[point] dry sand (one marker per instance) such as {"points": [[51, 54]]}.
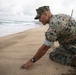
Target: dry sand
{"points": [[17, 49]]}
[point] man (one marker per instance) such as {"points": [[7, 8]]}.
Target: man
{"points": [[62, 28]]}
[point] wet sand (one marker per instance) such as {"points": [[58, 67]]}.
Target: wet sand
{"points": [[17, 49]]}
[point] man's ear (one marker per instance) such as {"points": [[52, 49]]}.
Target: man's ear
{"points": [[45, 13]]}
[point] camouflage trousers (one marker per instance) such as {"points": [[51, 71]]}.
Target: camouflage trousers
{"points": [[63, 53]]}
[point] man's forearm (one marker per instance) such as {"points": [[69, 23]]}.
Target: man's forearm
{"points": [[42, 50]]}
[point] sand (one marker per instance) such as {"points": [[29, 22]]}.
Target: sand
{"points": [[17, 49]]}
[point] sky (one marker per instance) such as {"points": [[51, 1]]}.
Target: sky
{"points": [[21, 9]]}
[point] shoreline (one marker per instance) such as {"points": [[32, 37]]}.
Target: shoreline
{"points": [[18, 48], [8, 34]]}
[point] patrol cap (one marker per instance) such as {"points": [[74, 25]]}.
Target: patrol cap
{"points": [[40, 10]]}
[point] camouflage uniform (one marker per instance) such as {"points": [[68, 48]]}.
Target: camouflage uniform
{"points": [[62, 28]]}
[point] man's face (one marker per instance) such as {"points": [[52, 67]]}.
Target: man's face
{"points": [[43, 18]]}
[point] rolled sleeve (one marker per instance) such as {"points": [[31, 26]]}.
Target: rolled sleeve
{"points": [[51, 35], [48, 43]]}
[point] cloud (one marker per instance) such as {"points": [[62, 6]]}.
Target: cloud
{"points": [[27, 7], [24, 7]]}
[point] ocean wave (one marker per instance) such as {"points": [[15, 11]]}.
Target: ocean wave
{"points": [[12, 27]]}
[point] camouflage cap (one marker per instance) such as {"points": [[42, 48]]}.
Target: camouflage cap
{"points": [[40, 10]]}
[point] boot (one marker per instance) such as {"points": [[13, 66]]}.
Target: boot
{"points": [[73, 61]]}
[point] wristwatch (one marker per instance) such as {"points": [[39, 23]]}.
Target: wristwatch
{"points": [[33, 60]]}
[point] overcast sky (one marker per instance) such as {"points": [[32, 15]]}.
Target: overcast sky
{"points": [[27, 7]]}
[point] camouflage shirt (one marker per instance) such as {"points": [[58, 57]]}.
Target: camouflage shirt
{"points": [[62, 28]]}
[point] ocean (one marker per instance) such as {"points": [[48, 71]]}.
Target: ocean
{"points": [[8, 27]]}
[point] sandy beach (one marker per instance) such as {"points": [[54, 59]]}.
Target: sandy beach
{"points": [[17, 49]]}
